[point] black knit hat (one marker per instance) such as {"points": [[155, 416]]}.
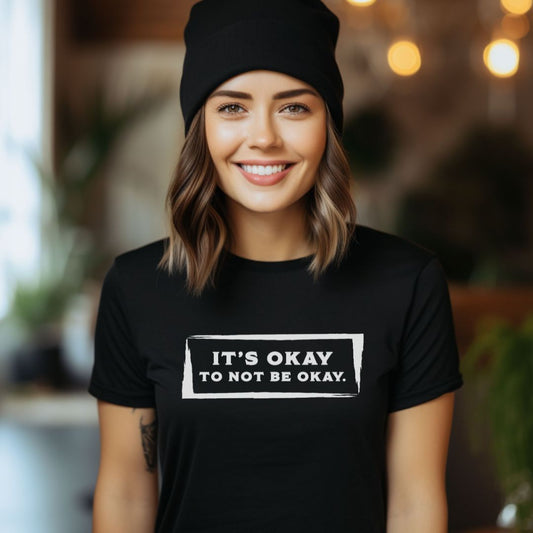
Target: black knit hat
{"points": [[224, 38]]}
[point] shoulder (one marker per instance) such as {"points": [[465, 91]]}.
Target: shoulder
{"points": [[145, 254], [386, 255], [137, 265], [390, 246]]}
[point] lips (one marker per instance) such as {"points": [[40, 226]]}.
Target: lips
{"points": [[272, 179]]}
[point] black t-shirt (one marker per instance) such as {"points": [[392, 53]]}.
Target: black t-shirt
{"points": [[272, 391]]}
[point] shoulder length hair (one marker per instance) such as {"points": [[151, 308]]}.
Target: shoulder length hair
{"points": [[199, 235]]}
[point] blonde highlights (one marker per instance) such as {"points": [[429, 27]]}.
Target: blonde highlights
{"points": [[195, 206]]}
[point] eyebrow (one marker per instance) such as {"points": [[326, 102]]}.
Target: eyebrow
{"points": [[278, 96]]}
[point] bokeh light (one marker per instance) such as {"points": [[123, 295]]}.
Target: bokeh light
{"points": [[501, 57], [361, 2], [516, 7], [404, 58], [515, 26]]}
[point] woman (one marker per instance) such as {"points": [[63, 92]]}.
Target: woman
{"points": [[286, 369]]}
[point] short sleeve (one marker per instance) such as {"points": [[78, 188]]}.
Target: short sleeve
{"points": [[428, 363], [118, 373]]}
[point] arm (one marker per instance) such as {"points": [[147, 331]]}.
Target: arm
{"points": [[417, 449], [126, 493]]}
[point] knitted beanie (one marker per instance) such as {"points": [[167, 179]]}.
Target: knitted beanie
{"points": [[224, 38]]}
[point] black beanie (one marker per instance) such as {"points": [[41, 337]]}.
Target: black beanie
{"points": [[224, 38]]}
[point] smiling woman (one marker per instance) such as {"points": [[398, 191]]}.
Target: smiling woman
{"points": [[288, 369], [266, 159], [229, 175]]}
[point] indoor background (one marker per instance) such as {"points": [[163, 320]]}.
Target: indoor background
{"points": [[439, 131]]}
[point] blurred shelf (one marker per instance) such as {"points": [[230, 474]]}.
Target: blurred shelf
{"points": [[49, 408], [471, 303]]}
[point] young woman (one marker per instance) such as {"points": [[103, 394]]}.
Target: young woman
{"points": [[271, 366]]}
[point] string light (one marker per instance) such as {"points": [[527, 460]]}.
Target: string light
{"points": [[516, 7], [501, 57], [515, 26], [404, 58], [361, 3]]}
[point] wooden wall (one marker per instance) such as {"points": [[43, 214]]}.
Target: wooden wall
{"points": [[104, 21]]}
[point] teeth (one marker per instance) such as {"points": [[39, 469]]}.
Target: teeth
{"points": [[263, 170]]}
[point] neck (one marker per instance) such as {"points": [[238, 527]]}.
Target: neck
{"points": [[272, 236]]}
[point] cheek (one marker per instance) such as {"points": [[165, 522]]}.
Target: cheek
{"points": [[317, 136], [222, 139], [318, 145], [309, 141]]}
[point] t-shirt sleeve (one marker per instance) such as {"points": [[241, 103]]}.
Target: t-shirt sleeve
{"points": [[428, 363], [118, 373]]}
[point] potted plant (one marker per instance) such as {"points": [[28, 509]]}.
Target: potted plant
{"points": [[69, 255], [498, 372]]}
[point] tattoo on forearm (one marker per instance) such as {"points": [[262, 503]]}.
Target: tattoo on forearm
{"points": [[149, 443]]}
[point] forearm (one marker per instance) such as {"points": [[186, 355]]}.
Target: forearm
{"points": [[127, 489], [430, 517], [117, 510], [417, 447]]}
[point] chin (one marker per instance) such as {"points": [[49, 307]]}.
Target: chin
{"points": [[269, 207], [264, 208]]}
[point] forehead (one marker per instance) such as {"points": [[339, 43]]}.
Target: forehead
{"points": [[264, 83]]}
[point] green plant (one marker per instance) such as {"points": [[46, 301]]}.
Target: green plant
{"points": [[69, 254], [498, 367]]}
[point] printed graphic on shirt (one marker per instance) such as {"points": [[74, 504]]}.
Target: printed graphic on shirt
{"points": [[273, 366]]}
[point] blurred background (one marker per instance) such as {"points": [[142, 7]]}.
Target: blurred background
{"points": [[439, 130]]}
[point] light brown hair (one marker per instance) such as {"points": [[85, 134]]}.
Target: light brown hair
{"points": [[198, 231]]}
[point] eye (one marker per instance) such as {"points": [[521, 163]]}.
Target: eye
{"points": [[230, 109], [301, 106], [228, 106]]}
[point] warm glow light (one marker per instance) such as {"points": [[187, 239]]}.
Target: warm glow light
{"points": [[361, 2], [515, 26], [517, 7], [501, 57], [404, 58]]}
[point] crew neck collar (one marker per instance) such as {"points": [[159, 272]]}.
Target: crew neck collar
{"points": [[268, 266]]}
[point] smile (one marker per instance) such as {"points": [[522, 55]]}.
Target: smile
{"points": [[264, 175], [263, 170]]}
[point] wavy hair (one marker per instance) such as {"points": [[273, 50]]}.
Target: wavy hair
{"points": [[199, 234]]}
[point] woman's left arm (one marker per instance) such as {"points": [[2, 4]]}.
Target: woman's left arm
{"points": [[417, 451]]}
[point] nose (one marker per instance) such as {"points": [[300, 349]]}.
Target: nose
{"points": [[263, 130]]}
